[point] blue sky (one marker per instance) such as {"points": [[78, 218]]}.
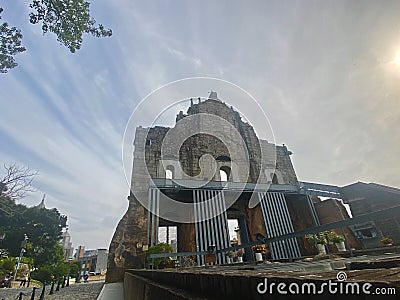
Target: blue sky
{"points": [[325, 73]]}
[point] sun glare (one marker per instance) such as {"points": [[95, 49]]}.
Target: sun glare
{"points": [[397, 59]]}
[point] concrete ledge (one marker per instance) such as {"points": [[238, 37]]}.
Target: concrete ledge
{"points": [[242, 284], [138, 288], [375, 264]]}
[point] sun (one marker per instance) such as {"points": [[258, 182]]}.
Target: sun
{"points": [[397, 59]]}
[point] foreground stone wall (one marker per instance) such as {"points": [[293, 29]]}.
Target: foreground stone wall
{"points": [[242, 284]]}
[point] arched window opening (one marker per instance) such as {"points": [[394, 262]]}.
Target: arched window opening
{"points": [[223, 176], [274, 178], [169, 172], [225, 173]]}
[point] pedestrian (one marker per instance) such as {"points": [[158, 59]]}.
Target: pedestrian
{"points": [[23, 280], [6, 282], [85, 277]]}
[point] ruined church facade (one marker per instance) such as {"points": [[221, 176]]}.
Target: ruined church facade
{"points": [[214, 181]]}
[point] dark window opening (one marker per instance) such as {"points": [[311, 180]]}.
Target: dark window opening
{"points": [[274, 178], [223, 158]]}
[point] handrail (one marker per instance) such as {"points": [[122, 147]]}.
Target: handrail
{"points": [[385, 213]]}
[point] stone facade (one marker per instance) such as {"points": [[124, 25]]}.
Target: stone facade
{"points": [[332, 210], [198, 156], [365, 198]]}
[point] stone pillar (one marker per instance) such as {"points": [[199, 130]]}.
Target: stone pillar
{"points": [[186, 237], [125, 250]]}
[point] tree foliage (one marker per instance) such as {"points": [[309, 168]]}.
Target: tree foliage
{"points": [[10, 44], [42, 226], [74, 268], [43, 274], [57, 268], [68, 19], [7, 265]]}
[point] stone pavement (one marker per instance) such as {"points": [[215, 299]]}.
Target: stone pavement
{"points": [[112, 291], [82, 291]]}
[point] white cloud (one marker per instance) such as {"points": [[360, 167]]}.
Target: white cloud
{"points": [[321, 71]]}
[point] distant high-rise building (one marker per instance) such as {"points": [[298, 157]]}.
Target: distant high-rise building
{"points": [[66, 244], [94, 261], [80, 252]]}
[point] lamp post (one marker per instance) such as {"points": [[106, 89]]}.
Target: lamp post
{"points": [[21, 254]]}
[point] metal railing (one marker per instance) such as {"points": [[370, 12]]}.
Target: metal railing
{"points": [[305, 188], [382, 214]]}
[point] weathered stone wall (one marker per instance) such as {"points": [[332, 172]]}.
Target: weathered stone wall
{"points": [[332, 210], [264, 160], [301, 217], [125, 249], [366, 198]]}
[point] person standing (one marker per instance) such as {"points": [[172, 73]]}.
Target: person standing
{"points": [[23, 280]]}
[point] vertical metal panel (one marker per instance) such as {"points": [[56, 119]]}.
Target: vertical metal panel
{"points": [[202, 231], [220, 236], [267, 222], [225, 230], [277, 222], [273, 200], [196, 223], [215, 240], [282, 217], [293, 241], [272, 220], [206, 232], [157, 214], [203, 226], [211, 219], [149, 216]]}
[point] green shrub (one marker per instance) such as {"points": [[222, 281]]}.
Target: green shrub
{"points": [[7, 265], [43, 274], [157, 249]]}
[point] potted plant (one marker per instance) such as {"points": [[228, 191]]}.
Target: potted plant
{"points": [[229, 256], [239, 254], [319, 241], [160, 263], [387, 241], [339, 242], [329, 236], [258, 251]]}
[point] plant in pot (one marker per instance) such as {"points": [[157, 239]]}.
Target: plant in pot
{"points": [[319, 241], [329, 236], [387, 241], [339, 242], [160, 263], [239, 255], [229, 256], [258, 252]]}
